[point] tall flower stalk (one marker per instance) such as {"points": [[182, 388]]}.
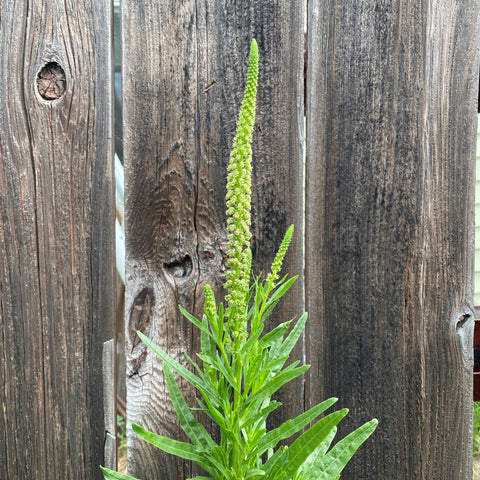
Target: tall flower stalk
{"points": [[238, 199], [240, 366]]}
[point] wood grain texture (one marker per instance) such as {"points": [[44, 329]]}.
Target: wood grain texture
{"points": [[391, 109], [184, 71], [57, 271]]}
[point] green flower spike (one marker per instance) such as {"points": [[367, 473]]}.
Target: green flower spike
{"points": [[278, 261], [238, 199]]}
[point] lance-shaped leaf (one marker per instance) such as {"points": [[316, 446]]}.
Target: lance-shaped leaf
{"points": [[183, 450], [195, 432], [290, 427], [277, 381], [111, 475], [334, 462], [180, 369], [303, 446], [305, 471], [286, 347]]}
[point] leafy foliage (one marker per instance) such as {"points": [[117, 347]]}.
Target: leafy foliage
{"points": [[240, 366], [476, 428]]}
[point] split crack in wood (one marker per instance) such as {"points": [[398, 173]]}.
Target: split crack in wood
{"points": [[141, 314]]}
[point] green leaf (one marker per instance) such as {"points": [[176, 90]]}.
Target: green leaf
{"points": [[194, 320], [196, 432], [260, 371], [214, 414], [177, 367], [273, 336], [303, 446], [168, 445], [218, 363], [111, 475], [253, 337], [199, 478], [275, 365], [253, 437], [202, 375], [334, 462], [305, 470], [253, 473], [254, 370], [249, 419], [286, 347], [207, 340], [290, 427], [276, 382], [220, 325], [282, 288], [183, 450], [278, 458], [267, 305]]}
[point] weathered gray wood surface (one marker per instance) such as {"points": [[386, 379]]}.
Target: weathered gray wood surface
{"points": [[390, 152], [184, 70], [56, 237]]}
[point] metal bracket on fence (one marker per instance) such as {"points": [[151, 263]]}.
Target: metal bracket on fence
{"points": [[109, 395]]}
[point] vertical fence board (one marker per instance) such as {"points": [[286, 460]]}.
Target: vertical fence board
{"points": [[390, 149], [56, 238], [184, 70]]}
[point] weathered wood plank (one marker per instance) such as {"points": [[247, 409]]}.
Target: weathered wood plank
{"points": [[390, 149], [56, 236], [109, 403], [183, 82]]}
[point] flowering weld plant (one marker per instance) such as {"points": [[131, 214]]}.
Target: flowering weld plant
{"points": [[242, 367]]}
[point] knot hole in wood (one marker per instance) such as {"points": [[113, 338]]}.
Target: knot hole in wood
{"points": [[179, 267], [51, 81], [461, 321]]}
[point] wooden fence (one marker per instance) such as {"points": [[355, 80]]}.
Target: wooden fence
{"points": [[368, 148]]}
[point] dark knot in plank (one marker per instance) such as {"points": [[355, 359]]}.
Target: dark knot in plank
{"points": [[179, 267], [51, 82]]}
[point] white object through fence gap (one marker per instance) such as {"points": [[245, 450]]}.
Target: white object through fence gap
{"points": [[120, 208]]}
